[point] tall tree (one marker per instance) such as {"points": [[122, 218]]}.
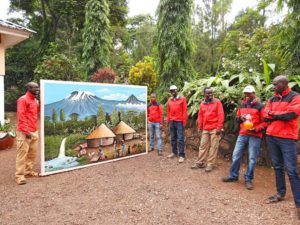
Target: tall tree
{"points": [[62, 115], [174, 42], [114, 117], [97, 42], [101, 116], [54, 117]]}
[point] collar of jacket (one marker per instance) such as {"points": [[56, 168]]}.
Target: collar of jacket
{"points": [[154, 103], [31, 96], [205, 102], [177, 97], [254, 102], [284, 93]]}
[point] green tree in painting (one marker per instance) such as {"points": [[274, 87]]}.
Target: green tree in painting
{"points": [[97, 42], [101, 116], [174, 42], [74, 117], [54, 116], [114, 117], [62, 115]]}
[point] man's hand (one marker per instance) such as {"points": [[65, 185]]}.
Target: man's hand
{"points": [[243, 117], [200, 132], [218, 132], [252, 129], [161, 126], [28, 136]]}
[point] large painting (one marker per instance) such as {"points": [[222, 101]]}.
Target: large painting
{"points": [[84, 124]]}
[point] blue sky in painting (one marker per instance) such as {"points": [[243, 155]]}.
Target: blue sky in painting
{"points": [[57, 91]]}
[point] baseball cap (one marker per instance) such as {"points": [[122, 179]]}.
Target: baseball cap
{"points": [[173, 87], [249, 89]]}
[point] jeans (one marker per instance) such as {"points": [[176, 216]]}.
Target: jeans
{"points": [[242, 142], [155, 129], [177, 135], [284, 156]]}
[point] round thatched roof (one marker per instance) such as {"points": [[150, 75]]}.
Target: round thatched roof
{"points": [[123, 128], [101, 132]]}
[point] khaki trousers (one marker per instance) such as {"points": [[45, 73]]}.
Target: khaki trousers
{"points": [[208, 149], [26, 153]]}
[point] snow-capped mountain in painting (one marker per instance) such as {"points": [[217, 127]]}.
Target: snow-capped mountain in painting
{"points": [[86, 104]]}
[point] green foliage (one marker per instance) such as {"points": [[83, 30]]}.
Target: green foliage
{"points": [[97, 42], [101, 116], [54, 116], [174, 43], [143, 73], [58, 66], [114, 117], [52, 145], [62, 116]]}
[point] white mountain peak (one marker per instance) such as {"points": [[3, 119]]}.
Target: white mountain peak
{"points": [[77, 95]]}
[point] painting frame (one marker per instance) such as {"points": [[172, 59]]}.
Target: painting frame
{"points": [[43, 94]]}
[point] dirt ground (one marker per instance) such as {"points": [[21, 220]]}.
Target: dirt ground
{"points": [[143, 190]]}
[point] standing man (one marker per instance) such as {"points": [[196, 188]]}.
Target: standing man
{"points": [[252, 110], [282, 112], [210, 124], [27, 133], [155, 122], [176, 118]]}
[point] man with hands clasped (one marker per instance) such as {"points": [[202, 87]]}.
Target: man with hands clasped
{"points": [[210, 124]]}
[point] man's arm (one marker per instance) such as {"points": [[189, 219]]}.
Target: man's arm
{"points": [[22, 119]]}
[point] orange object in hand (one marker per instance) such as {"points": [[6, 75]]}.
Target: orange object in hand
{"points": [[248, 125]]}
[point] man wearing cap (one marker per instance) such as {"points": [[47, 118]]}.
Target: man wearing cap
{"points": [[282, 112], [250, 111], [155, 121], [210, 124], [176, 118]]}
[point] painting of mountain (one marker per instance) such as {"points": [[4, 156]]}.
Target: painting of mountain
{"points": [[84, 124], [86, 103]]}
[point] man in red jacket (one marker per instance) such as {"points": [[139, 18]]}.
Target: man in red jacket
{"points": [[249, 111], [27, 133], [155, 121], [282, 112], [176, 118], [210, 124]]}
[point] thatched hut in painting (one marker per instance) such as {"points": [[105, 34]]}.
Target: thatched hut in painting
{"points": [[125, 131], [102, 136]]}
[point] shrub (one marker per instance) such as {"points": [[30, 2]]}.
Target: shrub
{"points": [[104, 75]]}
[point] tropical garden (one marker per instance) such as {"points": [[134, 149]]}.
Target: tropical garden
{"points": [[189, 45]]}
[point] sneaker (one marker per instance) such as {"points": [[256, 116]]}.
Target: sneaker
{"points": [[249, 185], [209, 168], [20, 181], [151, 149], [171, 156], [181, 159], [197, 166], [160, 153], [229, 179]]}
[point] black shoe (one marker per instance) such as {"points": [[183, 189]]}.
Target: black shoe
{"points": [[249, 185], [229, 179], [274, 199], [151, 149]]}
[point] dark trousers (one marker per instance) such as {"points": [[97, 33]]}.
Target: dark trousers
{"points": [[177, 135], [284, 156]]}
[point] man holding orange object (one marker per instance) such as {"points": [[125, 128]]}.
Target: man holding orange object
{"points": [[250, 117]]}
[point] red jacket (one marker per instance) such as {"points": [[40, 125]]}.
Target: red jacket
{"points": [[255, 109], [176, 109], [28, 109], [282, 113], [155, 112], [211, 115]]}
